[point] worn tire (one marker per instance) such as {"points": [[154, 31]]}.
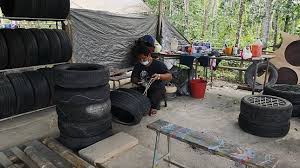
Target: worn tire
{"points": [[55, 46], [24, 92], [80, 143], [261, 69], [7, 98], [83, 113], [20, 8], [3, 52], [82, 96], [16, 49], [85, 129], [265, 113], [48, 73], [126, 109], [40, 87], [43, 46], [31, 47], [288, 92], [143, 100], [81, 75], [66, 46]]}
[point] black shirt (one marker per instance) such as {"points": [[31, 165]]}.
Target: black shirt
{"points": [[145, 73]]}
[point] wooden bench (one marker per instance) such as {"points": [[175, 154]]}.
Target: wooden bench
{"points": [[245, 156]]}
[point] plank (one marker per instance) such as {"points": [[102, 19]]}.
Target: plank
{"points": [[41, 161], [22, 156], [53, 157], [246, 156], [66, 153], [4, 161]]}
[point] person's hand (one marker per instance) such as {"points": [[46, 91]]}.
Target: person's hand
{"points": [[156, 76]]}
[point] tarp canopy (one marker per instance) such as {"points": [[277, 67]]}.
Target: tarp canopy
{"points": [[107, 38]]}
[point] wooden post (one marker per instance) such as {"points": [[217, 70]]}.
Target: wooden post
{"points": [[159, 25], [241, 72], [66, 153]]}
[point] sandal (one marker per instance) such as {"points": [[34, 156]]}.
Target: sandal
{"points": [[152, 112]]}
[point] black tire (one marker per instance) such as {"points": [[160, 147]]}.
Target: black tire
{"points": [[64, 9], [81, 75], [40, 89], [16, 49], [83, 113], [3, 52], [262, 130], [43, 46], [81, 96], [66, 46], [24, 92], [144, 101], [55, 46], [80, 143], [265, 115], [85, 129], [288, 92], [19, 8], [58, 9], [48, 73], [7, 98], [249, 74], [31, 47], [126, 109]]}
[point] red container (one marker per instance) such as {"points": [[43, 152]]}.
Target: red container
{"points": [[198, 88]]}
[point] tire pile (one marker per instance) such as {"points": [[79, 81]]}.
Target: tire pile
{"points": [[265, 116], [24, 92], [129, 106], [29, 47], [82, 97], [56, 9], [288, 92]]}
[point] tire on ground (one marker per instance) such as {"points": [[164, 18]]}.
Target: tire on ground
{"points": [[7, 98], [126, 109], [81, 75], [31, 47], [80, 143], [24, 92], [249, 74], [3, 52], [266, 116], [288, 92], [40, 89], [83, 113]]}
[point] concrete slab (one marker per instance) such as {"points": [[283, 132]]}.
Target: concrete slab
{"points": [[100, 152], [137, 157]]}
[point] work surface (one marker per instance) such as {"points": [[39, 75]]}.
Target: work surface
{"points": [[216, 115]]}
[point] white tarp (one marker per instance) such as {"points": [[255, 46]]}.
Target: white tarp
{"points": [[112, 6]]}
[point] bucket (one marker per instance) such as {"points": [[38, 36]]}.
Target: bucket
{"points": [[198, 88]]}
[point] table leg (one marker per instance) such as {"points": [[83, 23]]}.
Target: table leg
{"points": [[266, 75], [169, 150], [196, 73], [254, 81], [211, 76], [154, 163]]}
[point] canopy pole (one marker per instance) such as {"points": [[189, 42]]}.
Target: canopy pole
{"points": [[159, 26]]}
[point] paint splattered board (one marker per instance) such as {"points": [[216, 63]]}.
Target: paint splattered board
{"points": [[246, 156]]}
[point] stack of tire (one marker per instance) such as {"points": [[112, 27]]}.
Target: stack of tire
{"points": [[288, 92], [265, 116], [30, 47], [129, 106], [57, 9], [82, 97], [23, 92]]}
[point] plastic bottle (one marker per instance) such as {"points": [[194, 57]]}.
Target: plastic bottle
{"points": [[257, 48]]}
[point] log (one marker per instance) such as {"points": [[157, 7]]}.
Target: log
{"points": [[66, 153], [22, 156], [4, 161], [39, 160]]}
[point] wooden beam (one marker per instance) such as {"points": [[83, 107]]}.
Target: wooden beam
{"points": [[22, 156], [37, 158], [4, 161]]}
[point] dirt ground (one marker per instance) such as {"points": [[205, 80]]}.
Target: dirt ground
{"points": [[217, 114]]}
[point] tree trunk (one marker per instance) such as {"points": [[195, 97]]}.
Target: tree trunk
{"points": [[240, 21], [205, 18], [186, 17], [214, 13], [288, 17], [266, 22], [275, 27]]}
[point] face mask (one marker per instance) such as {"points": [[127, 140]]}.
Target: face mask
{"points": [[145, 63]]}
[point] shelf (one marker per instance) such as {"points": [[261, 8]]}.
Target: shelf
{"points": [[31, 19], [31, 67]]}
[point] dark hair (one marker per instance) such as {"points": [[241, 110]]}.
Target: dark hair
{"points": [[139, 49]]}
